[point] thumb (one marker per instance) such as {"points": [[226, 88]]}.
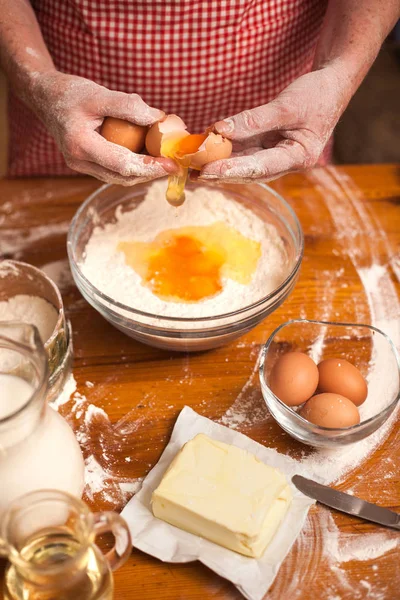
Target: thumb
{"points": [[253, 122], [130, 107]]}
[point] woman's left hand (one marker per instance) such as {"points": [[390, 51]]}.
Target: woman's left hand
{"points": [[287, 134]]}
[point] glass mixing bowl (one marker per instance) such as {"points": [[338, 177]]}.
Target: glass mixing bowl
{"points": [[174, 333], [366, 347]]}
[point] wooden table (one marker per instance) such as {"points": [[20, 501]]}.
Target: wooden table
{"points": [[351, 220]]}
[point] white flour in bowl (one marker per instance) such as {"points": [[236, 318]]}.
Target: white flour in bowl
{"points": [[105, 267]]}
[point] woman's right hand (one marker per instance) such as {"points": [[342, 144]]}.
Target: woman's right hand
{"points": [[73, 108]]}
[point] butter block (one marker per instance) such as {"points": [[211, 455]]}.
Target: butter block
{"points": [[224, 494]]}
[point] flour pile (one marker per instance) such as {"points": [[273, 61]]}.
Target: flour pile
{"points": [[106, 269]]}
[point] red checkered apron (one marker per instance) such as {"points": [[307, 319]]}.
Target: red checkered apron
{"points": [[201, 59]]}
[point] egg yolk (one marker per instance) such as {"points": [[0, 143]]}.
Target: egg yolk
{"points": [[189, 263], [189, 144], [198, 274]]}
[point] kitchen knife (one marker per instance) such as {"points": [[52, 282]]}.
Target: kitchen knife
{"points": [[347, 503]]}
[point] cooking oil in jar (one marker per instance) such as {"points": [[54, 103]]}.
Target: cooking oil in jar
{"points": [[190, 264], [59, 567]]}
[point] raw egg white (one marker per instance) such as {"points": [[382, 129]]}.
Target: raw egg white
{"points": [[123, 133], [330, 410], [294, 378], [341, 377]]}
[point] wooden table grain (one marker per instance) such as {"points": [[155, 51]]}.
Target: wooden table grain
{"points": [[350, 272]]}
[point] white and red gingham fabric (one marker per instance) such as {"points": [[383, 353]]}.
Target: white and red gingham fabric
{"points": [[201, 59]]}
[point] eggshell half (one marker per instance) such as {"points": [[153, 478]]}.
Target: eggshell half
{"points": [[330, 410], [215, 147], [123, 133], [170, 129]]}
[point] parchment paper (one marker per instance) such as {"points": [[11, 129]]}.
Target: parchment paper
{"points": [[251, 576]]}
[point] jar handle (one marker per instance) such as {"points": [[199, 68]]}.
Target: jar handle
{"points": [[111, 522]]}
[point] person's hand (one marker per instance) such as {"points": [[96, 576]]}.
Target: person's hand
{"points": [[287, 134], [73, 109]]}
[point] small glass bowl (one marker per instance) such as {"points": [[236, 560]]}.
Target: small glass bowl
{"points": [[174, 333], [22, 278], [366, 347]]}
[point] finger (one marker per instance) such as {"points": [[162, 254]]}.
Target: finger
{"points": [[130, 107], [194, 175], [254, 122], [248, 143], [89, 168], [263, 165], [248, 151], [241, 180], [122, 161]]}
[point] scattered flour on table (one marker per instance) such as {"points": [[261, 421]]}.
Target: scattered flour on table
{"points": [[32, 310], [105, 267], [325, 306], [100, 482], [355, 225], [66, 393], [344, 548], [322, 547], [60, 273], [247, 408], [15, 241], [357, 233], [339, 548]]}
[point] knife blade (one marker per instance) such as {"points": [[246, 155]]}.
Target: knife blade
{"points": [[347, 503]]}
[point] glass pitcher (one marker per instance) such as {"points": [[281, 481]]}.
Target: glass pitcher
{"points": [[49, 537], [38, 449]]}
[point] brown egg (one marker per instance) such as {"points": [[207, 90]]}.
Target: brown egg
{"points": [[338, 376], [294, 378], [163, 136], [123, 133], [330, 410]]}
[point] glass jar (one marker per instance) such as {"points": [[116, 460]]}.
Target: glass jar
{"points": [[49, 538], [21, 278], [38, 449]]}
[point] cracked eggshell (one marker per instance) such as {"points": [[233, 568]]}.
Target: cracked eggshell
{"points": [[171, 128], [123, 133], [215, 147]]}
